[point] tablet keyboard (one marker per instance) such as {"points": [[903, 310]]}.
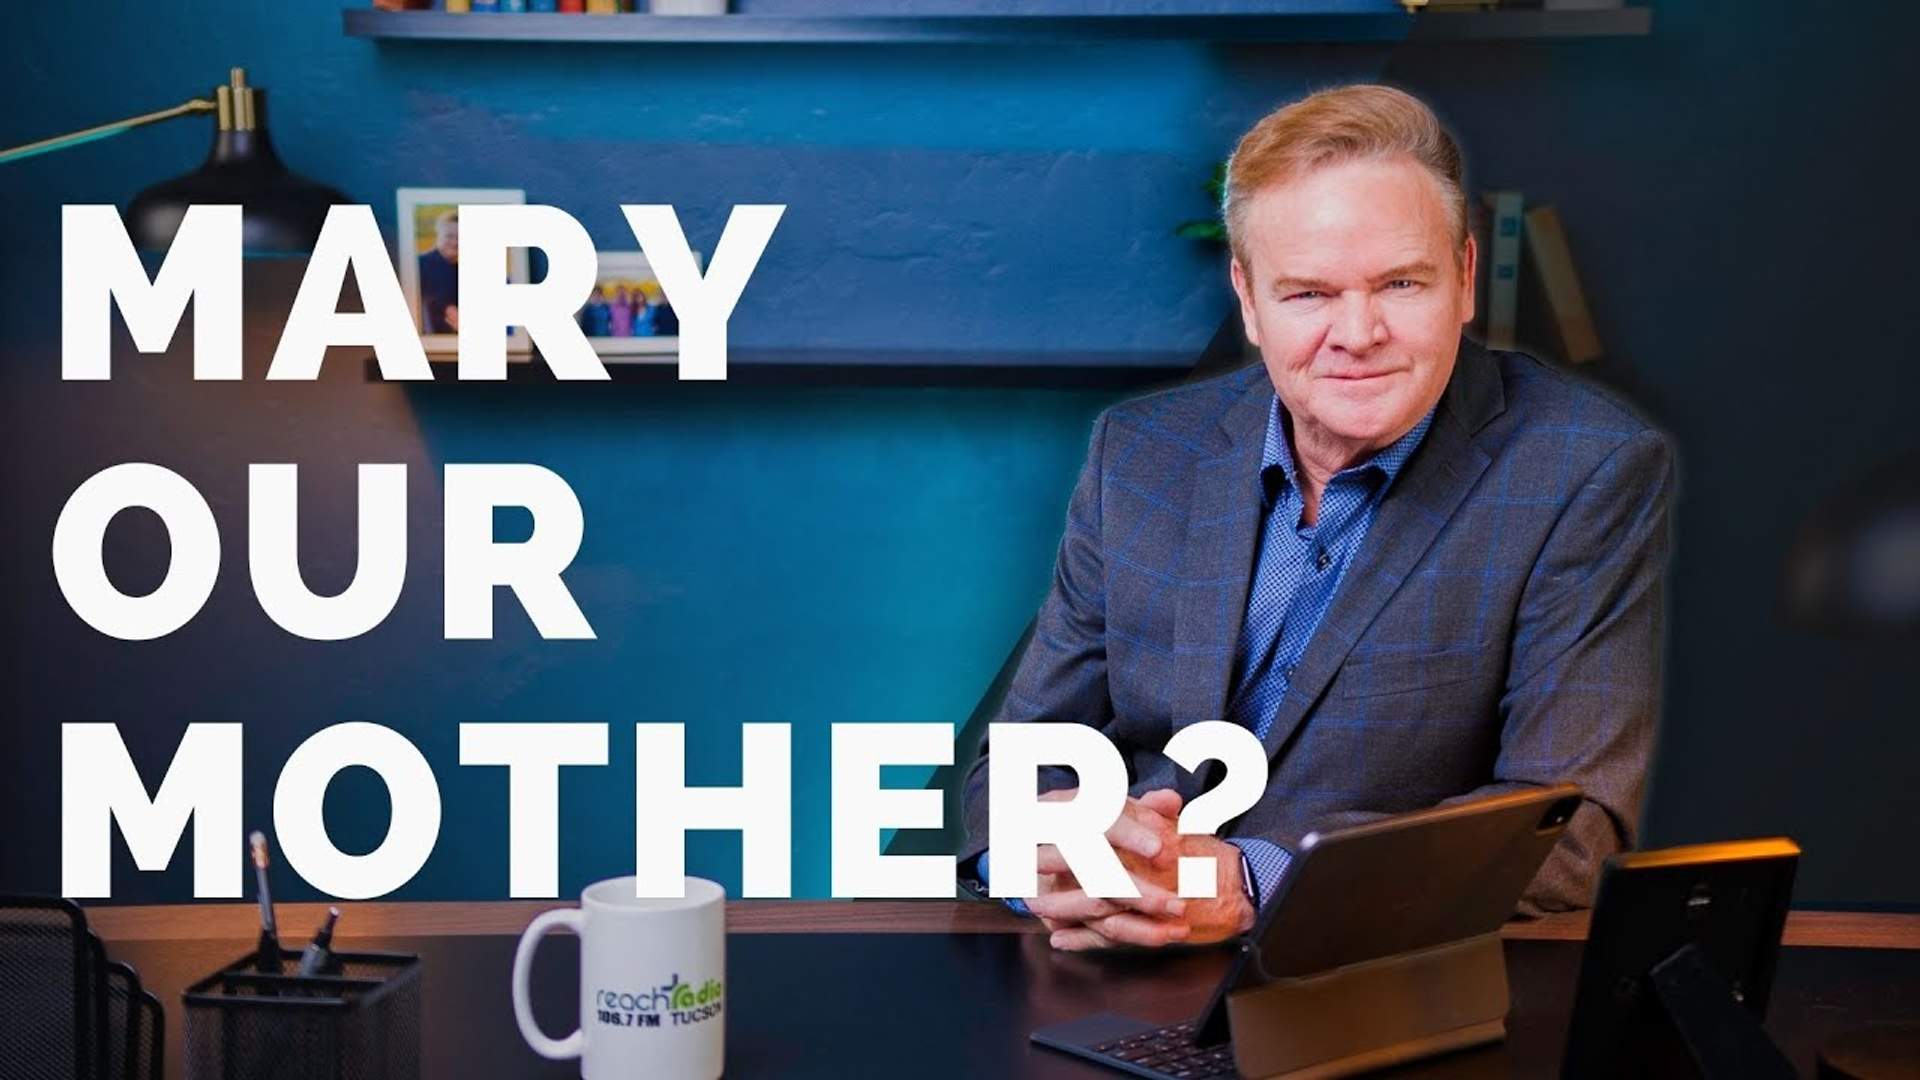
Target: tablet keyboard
{"points": [[1169, 1052]]}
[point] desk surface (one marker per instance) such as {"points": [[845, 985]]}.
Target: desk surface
{"points": [[955, 992]]}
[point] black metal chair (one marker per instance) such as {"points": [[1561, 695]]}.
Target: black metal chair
{"points": [[65, 1012]]}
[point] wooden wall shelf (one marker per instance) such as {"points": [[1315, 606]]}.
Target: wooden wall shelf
{"points": [[1136, 369], [1328, 27]]}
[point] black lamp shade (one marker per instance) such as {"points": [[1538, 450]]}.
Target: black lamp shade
{"points": [[281, 211]]}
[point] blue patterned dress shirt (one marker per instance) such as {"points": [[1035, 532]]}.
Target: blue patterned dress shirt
{"points": [[1296, 573]]}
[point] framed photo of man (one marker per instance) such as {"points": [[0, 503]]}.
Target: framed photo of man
{"points": [[627, 314], [427, 238]]}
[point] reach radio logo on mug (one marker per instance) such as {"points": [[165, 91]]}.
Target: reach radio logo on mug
{"points": [[680, 1003]]}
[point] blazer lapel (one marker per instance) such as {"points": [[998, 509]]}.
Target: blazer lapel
{"points": [[1223, 521], [1423, 498]]}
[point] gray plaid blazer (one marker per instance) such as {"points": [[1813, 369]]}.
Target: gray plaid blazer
{"points": [[1501, 625]]}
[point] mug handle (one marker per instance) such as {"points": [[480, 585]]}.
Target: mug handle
{"points": [[546, 923]]}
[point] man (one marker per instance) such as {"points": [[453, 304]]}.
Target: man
{"points": [[440, 277], [1418, 570]]}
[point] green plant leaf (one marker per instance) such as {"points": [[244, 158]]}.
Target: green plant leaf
{"points": [[1203, 229], [1217, 187], [1213, 229]]}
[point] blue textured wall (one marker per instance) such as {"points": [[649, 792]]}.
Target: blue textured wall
{"points": [[801, 555], [1744, 220], [811, 555]]}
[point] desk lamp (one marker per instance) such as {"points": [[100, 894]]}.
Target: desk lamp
{"points": [[281, 211]]}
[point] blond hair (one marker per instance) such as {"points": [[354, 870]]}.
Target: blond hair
{"points": [[1332, 127]]}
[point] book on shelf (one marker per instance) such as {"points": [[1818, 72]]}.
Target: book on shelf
{"points": [[1502, 255], [1477, 224], [1566, 301]]}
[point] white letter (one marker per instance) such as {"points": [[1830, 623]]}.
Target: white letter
{"points": [[489, 304], [98, 266], [862, 808], [533, 754], [273, 553], [703, 305], [1236, 747], [98, 786], [1018, 822], [191, 569], [761, 808], [302, 831], [475, 564], [350, 238]]}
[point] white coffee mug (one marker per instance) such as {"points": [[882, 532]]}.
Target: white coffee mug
{"points": [[652, 983]]}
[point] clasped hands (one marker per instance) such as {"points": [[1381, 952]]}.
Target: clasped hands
{"points": [[1147, 840]]}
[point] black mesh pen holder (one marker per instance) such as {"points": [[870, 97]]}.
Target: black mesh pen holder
{"points": [[359, 1022]]}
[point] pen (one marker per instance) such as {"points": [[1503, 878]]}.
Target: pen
{"points": [[318, 957], [267, 955]]}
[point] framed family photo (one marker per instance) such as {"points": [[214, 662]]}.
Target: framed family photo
{"points": [[427, 235], [627, 313]]}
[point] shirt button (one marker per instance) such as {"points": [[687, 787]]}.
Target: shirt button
{"points": [[1323, 561]]}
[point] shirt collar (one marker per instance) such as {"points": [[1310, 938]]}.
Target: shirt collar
{"points": [[1385, 463]]}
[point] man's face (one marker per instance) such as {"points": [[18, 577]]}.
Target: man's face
{"points": [[1355, 295], [447, 238]]}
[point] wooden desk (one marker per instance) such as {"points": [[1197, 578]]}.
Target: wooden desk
{"points": [[241, 922], [814, 992]]}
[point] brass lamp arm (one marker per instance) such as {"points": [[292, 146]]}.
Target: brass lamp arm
{"points": [[61, 142]]}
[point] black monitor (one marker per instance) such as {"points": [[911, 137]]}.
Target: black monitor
{"points": [[1679, 963]]}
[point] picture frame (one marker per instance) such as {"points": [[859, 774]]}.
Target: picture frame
{"points": [[652, 333], [425, 227]]}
